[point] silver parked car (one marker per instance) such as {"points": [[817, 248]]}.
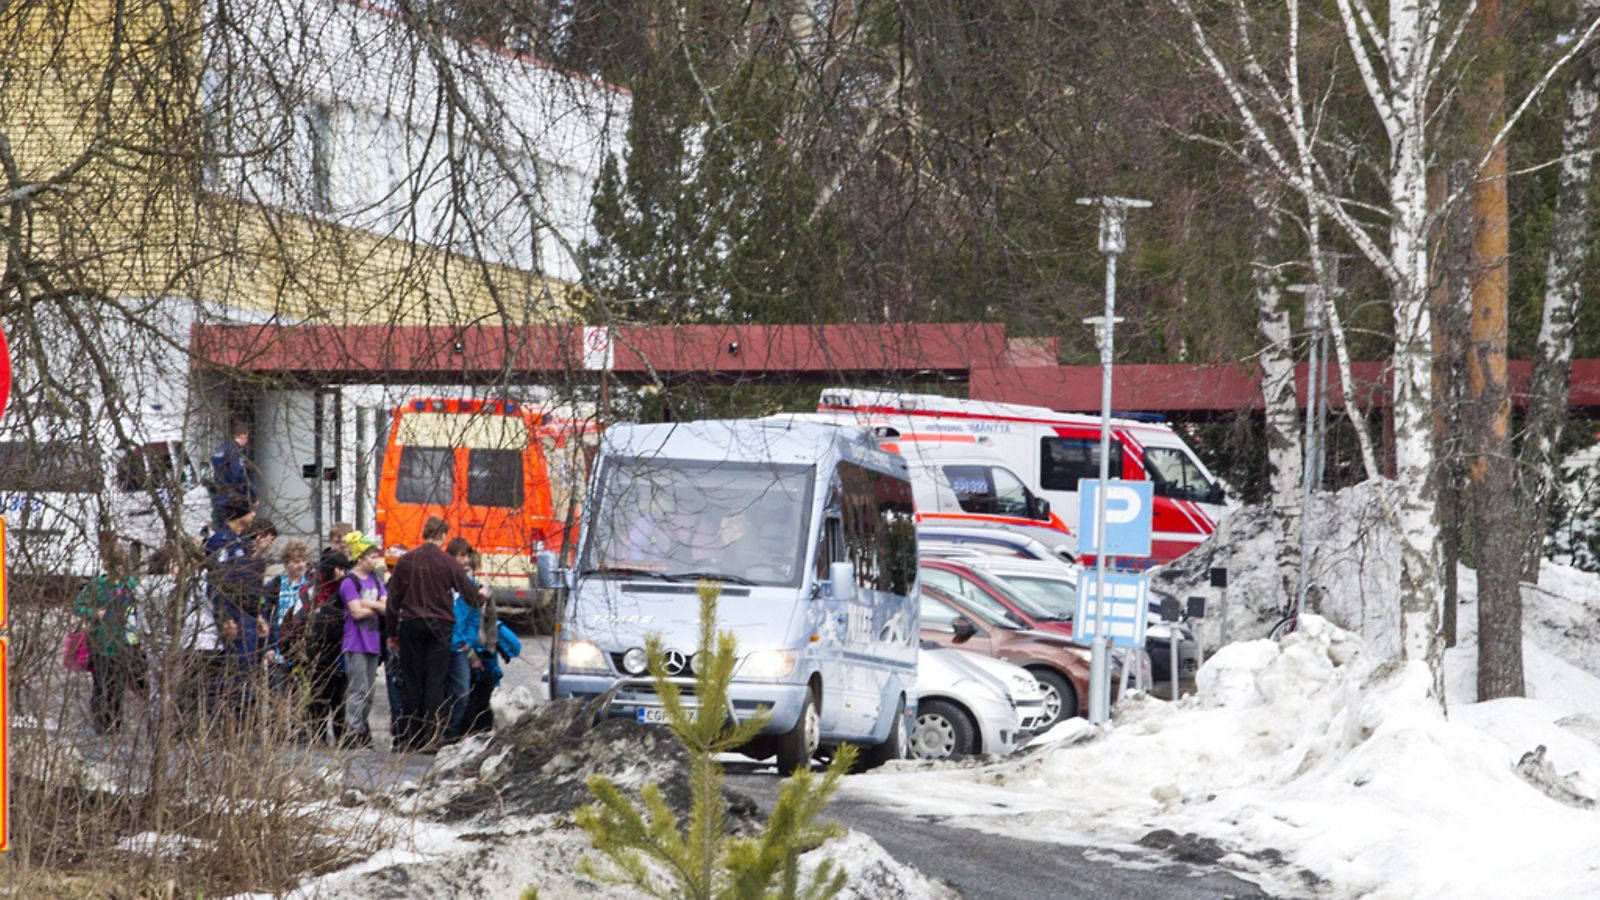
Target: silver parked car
{"points": [[968, 704]]}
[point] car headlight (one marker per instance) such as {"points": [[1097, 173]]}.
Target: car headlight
{"points": [[1024, 685], [768, 664], [635, 661], [583, 657]]}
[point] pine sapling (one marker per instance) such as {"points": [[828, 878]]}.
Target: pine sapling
{"points": [[644, 844]]}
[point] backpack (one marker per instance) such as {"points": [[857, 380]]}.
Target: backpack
{"points": [[327, 614]]}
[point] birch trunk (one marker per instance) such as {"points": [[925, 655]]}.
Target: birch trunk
{"points": [[1277, 386], [1416, 512], [1570, 229]]}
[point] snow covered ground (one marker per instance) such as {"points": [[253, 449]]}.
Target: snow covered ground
{"points": [[1320, 764], [493, 817], [1317, 766]]}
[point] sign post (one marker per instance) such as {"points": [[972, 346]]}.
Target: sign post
{"points": [[1119, 524], [1113, 240]]}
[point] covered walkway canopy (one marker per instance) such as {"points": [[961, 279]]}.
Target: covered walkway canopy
{"points": [[995, 366]]}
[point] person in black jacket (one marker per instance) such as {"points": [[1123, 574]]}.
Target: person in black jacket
{"points": [[317, 643], [420, 616], [235, 575]]}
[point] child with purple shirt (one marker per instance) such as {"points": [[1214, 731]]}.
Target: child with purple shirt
{"points": [[365, 602]]}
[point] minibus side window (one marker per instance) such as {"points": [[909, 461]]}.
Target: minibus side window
{"points": [[877, 515], [1063, 462], [830, 546], [427, 476], [147, 467]]}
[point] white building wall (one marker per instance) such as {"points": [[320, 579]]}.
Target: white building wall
{"points": [[335, 109]]}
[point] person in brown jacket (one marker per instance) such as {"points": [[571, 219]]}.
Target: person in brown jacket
{"points": [[420, 617]]}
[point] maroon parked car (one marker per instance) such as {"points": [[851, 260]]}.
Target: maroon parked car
{"points": [[1061, 667]]}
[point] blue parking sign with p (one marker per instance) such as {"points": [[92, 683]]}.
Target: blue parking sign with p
{"points": [[1130, 507]]}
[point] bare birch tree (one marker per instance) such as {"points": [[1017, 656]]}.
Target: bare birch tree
{"points": [[1403, 61], [1571, 228], [1399, 62], [1284, 446]]}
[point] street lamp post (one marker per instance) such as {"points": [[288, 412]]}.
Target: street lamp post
{"points": [[1113, 240], [1314, 453]]}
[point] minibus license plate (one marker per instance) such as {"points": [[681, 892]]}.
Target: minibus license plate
{"points": [[651, 715]]}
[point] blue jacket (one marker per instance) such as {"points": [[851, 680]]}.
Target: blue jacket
{"points": [[230, 475], [464, 636]]}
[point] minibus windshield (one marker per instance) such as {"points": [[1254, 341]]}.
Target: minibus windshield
{"points": [[675, 519]]}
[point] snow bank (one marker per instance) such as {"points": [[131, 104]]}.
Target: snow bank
{"points": [[1314, 752], [543, 852], [494, 816], [1353, 567]]}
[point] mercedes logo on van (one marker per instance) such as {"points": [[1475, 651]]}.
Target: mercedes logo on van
{"points": [[673, 662]]}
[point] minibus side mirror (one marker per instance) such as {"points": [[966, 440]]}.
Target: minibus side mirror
{"points": [[549, 569], [964, 629], [842, 581], [1038, 508]]}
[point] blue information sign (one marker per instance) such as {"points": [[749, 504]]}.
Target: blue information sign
{"points": [[1126, 611], [1130, 506]]}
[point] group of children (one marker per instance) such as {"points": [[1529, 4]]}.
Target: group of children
{"points": [[314, 636]]}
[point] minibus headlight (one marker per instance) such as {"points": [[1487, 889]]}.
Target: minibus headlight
{"points": [[583, 657], [768, 664], [634, 662]]}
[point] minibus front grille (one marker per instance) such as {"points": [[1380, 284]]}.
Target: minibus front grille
{"points": [[687, 671], [649, 690]]}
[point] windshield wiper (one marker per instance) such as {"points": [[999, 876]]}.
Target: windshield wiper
{"points": [[708, 576], [627, 571]]}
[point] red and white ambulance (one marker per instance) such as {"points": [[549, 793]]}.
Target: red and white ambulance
{"points": [[966, 484], [1052, 452]]}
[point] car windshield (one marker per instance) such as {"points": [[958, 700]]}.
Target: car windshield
{"points": [[1057, 598], [685, 519], [938, 610]]}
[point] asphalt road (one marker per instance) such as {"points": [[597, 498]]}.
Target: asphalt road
{"points": [[981, 865]]}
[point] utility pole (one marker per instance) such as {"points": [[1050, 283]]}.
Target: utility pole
{"points": [[1113, 241], [1314, 451]]}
